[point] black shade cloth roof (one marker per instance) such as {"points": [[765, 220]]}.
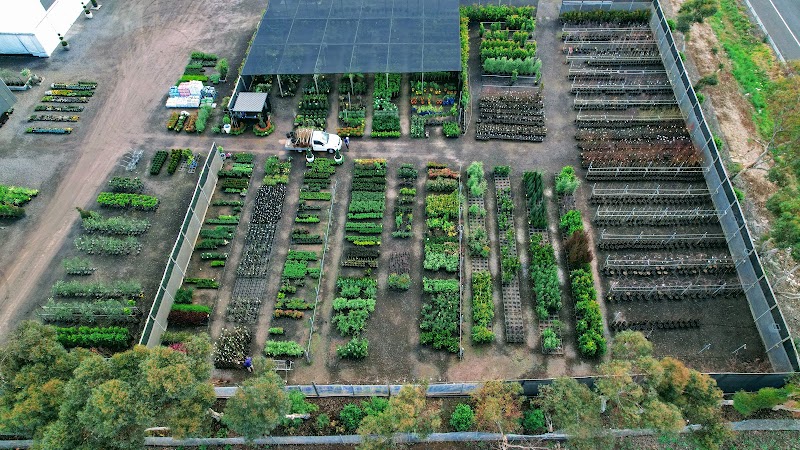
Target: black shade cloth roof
{"points": [[368, 36]]}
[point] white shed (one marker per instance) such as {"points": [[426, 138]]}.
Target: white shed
{"points": [[28, 28]]}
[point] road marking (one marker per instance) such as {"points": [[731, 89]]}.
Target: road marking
{"points": [[784, 23]]}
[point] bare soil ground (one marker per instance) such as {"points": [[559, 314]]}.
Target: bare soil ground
{"points": [[135, 51], [127, 112]]}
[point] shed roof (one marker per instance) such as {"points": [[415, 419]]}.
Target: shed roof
{"points": [[7, 98], [250, 102], [368, 36]]}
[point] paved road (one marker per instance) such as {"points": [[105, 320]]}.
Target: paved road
{"points": [[782, 21]]}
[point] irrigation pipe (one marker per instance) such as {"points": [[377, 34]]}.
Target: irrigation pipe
{"points": [[746, 425]]}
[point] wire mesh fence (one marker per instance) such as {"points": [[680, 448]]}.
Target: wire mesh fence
{"points": [[181, 253]]}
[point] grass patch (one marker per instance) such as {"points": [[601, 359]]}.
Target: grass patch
{"points": [[751, 59]]}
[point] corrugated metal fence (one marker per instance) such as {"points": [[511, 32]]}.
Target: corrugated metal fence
{"points": [[728, 382]]}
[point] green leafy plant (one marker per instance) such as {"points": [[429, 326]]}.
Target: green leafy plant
{"points": [[113, 338], [544, 275], [222, 68], [158, 161], [202, 283], [476, 181], [550, 340], [283, 348], [356, 348], [400, 282], [120, 225], [451, 129], [98, 289], [78, 266], [533, 421], [463, 418], [184, 296], [571, 222], [350, 416], [136, 201], [747, 403], [589, 326], [482, 307], [202, 118], [126, 184], [567, 181]]}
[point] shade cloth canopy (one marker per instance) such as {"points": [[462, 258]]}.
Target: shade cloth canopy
{"points": [[347, 36]]}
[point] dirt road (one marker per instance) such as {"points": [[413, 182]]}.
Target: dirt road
{"points": [[134, 50]]}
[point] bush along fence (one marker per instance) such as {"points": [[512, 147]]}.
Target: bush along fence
{"points": [[181, 253], [729, 383]]}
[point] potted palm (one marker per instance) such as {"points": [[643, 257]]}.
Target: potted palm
{"points": [[88, 14], [309, 156], [337, 157]]}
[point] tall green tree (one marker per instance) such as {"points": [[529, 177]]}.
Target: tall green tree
{"points": [[259, 405], [78, 399], [573, 407], [407, 412], [34, 369], [113, 418]]}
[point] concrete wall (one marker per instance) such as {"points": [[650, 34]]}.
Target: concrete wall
{"points": [[29, 29]]}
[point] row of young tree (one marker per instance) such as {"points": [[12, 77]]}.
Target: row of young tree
{"points": [[80, 399]]}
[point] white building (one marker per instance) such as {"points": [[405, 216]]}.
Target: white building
{"points": [[31, 27]]}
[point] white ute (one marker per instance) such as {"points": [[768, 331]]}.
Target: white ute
{"points": [[319, 141]]}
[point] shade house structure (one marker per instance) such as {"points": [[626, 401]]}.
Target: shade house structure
{"points": [[249, 105], [303, 37]]}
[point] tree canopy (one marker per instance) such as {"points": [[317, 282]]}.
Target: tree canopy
{"points": [[259, 405], [498, 407], [79, 399], [663, 395], [407, 412]]}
